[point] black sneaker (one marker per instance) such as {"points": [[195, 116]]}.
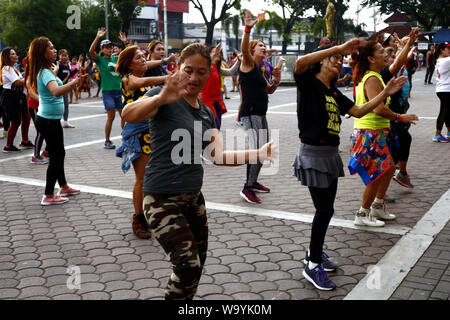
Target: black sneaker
{"points": [[26, 145], [328, 266], [319, 278], [11, 149]]}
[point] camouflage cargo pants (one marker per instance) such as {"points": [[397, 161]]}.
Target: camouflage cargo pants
{"points": [[179, 223]]}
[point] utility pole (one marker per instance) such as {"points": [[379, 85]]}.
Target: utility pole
{"points": [[106, 19], [166, 37]]}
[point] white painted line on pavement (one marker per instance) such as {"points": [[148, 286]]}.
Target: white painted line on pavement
{"points": [[284, 215], [73, 146], [427, 118], [403, 256], [88, 117], [270, 108]]}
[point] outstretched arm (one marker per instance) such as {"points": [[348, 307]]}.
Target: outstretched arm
{"points": [[92, 50], [247, 64]]}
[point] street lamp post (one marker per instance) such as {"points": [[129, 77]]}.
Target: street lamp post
{"points": [[106, 19], [166, 38]]}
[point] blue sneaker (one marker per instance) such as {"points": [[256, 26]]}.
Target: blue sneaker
{"points": [[440, 138], [109, 145], [328, 266], [319, 278]]}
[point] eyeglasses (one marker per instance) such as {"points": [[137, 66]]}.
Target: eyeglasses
{"points": [[338, 58]]}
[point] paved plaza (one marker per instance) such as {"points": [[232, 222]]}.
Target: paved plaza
{"points": [[255, 251]]}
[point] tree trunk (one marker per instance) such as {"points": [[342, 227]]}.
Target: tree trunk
{"points": [[209, 33]]}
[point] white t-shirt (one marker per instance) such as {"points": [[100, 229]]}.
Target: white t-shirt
{"points": [[9, 76], [443, 75], [346, 62]]}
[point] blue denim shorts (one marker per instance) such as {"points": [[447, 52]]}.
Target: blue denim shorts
{"points": [[112, 100]]}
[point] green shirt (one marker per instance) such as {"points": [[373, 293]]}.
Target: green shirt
{"points": [[111, 80]]}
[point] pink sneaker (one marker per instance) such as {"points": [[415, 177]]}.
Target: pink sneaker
{"points": [[68, 192], [56, 199]]}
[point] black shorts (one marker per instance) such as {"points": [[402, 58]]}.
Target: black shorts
{"points": [[144, 140]]}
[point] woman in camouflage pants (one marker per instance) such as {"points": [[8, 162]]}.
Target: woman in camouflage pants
{"points": [[182, 127]]}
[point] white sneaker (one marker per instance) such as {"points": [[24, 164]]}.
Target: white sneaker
{"points": [[380, 211], [367, 220]]}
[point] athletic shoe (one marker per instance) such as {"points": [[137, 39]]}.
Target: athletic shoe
{"points": [[403, 180], [67, 125], [388, 199], [249, 195], [327, 265], [319, 278], [367, 220], [109, 145], [45, 154], [379, 210], [26, 145], [11, 149], [68, 192], [38, 160], [53, 201], [440, 138], [140, 226], [260, 188]]}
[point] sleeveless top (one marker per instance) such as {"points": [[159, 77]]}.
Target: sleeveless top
{"points": [[129, 97], [255, 99], [371, 120]]}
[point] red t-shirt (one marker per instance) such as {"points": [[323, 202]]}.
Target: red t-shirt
{"points": [[32, 104], [212, 92]]}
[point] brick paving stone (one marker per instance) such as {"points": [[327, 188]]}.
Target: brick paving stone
{"points": [[112, 276], [221, 278], [56, 280], [218, 268], [145, 283], [278, 256], [151, 293], [439, 295], [420, 295], [31, 282], [67, 297], [247, 277], [98, 260], [33, 292], [252, 258], [225, 260], [217, 297], [260, 286], [303, 294], [9, 293], [231, 288], [237, 268], [206, 289], [443, 286], [133, 266], [116, 285], [277, 275], [124, 295], [286, 285], [247, 296]]}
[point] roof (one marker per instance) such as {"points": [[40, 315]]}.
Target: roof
{"points": [[172, 5], [397, 17], [401, 31], [442, 35]]}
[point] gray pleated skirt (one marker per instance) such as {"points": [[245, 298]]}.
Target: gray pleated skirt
{"points": [[318, 166]]}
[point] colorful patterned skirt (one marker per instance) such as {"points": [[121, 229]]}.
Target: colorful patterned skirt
{"points": [[370, 155]]}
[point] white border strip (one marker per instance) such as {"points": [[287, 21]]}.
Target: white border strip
{"points": [[306, 218], [73, 146], [403, 256]]}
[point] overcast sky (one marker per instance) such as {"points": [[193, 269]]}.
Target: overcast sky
{"points": [[257, 6]]}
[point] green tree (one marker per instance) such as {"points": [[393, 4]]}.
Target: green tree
{"points": [[274, 22], [234, 22], [127, 10], [213, 20], [428, 13], [24, 20], [292, 11]]}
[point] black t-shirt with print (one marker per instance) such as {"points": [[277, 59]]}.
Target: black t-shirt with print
{"points": [[319, 110], [178, 136], [64, 73]]}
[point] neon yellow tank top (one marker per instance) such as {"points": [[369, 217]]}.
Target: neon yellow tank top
{"points": [[371, 120]]}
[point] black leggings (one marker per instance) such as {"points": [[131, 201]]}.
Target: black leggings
{"points": [[39, 138], [444, 113], [429, 74], [52, 132], [323, 199], [404, 140]]}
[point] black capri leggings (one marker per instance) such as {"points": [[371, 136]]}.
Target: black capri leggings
{"points": [[323, 199], [404, 140], [52, 132], [444, 113]]}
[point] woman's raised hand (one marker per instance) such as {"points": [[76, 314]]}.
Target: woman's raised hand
{"points": [[351, 46], [175, 87], [249, 21], [395, 84], [101, 32]]}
